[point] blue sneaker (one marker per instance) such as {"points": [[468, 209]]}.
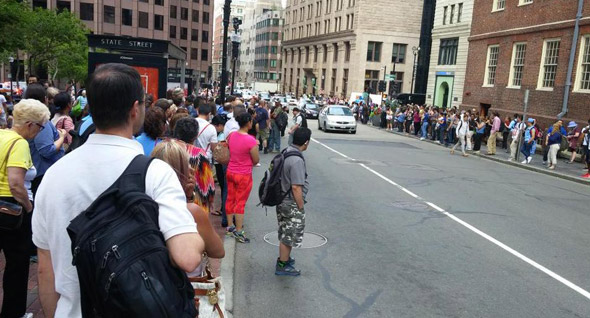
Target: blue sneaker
{"points": [[241, 237], [287, 270], [291, 261], [229, 231]]}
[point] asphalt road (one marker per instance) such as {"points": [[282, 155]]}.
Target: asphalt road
{"points": [[392, 253]]}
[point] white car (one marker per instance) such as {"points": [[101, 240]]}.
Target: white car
{"points": [[292, 101], [338, 118]]}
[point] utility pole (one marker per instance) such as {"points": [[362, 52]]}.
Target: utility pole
{"points": [[226, 14], [415, 51], [235, 42]]}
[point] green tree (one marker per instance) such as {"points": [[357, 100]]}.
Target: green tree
{"points": [[13, 16], [57, 41]]}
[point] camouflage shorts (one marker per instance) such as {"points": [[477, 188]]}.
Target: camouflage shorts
{"points": [[291, 224]]}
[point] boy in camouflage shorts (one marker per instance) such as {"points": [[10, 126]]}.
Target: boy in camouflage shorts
{"points": [[291, 212]]}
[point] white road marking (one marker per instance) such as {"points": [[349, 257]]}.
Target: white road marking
{"points": [[472, 228]]}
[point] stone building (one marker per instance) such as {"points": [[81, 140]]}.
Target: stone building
{"points": [[336, 47], [448, 60], [519, 45]]}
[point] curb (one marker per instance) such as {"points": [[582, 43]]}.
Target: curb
{"points": [[227, 274], [502, 161]]}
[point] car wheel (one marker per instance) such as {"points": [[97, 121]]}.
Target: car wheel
{"points": [[353, 132], [319, 125], [325, 127]]}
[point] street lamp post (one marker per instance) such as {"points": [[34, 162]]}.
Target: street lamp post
{"points": [[226, 13], [11, 60], [415, 51], [235, 41]]}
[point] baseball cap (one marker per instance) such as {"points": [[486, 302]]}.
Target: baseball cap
{"points": [[572, 124], [531, 120]]}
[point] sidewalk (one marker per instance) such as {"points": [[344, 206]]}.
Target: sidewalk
{"points": [[33, 303], [563, 170]]}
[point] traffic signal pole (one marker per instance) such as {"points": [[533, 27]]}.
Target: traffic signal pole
{"points": [[223, 85]]}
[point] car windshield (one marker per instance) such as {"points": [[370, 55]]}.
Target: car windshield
{"points": [[311, 106], [339, 111]]}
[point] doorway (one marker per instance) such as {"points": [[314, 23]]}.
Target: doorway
{"points": [[443, 91]]}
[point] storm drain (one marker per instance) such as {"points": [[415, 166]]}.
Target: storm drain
{"points": [[310, 239]]}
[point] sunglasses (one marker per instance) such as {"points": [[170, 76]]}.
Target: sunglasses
{"points": [[41, 127]]}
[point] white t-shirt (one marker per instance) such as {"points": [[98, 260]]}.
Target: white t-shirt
{"points": [[230, 127], [2, 100], [29, 176], [207, 135], [81, 177]]}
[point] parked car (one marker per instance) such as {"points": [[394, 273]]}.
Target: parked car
{"points": [[311, 111], [405, 99], [338, 118]]}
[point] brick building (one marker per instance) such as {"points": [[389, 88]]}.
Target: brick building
{"points": [[517, 45], [188, 24]]}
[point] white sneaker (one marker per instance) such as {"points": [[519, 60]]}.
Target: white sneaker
{"points": [[510, 159], [28, 315], [529, 159], [257, 165], [422, 138], [524, 161]]}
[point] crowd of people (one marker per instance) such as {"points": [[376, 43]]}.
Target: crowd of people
{"points": [[46, 147], [469, 129]]}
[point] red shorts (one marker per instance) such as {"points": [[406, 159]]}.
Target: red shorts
{"points": [[238, 191]]}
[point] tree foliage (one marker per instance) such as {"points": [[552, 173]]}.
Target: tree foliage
{"points": [[51, 39]]}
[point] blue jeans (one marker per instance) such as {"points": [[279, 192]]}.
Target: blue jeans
{"points": [[526, 149], [274, 140], [424, 130]]}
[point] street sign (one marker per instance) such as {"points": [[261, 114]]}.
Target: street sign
{"points": [[390, 77]]}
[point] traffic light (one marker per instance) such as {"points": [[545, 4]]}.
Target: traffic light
{"points": [[382, 86]]}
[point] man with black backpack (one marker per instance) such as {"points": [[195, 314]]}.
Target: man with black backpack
{"points": [[299, 120], [119, 243], [291, 212]]}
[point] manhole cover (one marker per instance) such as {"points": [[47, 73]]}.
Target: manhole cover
{"points": [[310, 239]]}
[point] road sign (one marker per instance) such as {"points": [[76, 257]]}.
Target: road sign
{"points": [[390, 77]]}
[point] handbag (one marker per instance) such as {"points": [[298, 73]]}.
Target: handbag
{"points": [[11, 214], [221, 153], [209, 295]]}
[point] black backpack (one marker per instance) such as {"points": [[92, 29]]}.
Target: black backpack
{"points": [[121, 257], [78, 140], [270, 191], [282, 120], [303, 121]]}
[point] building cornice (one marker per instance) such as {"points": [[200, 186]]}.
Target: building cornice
{"points": [[530, 29], [340, 35]]}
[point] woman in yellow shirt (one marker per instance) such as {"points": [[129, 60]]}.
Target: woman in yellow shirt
{"points": [[15, 161]]}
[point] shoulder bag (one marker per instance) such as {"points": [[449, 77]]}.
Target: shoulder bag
{"points": [[11, 214], [209, 295]]}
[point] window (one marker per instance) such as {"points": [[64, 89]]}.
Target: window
{"points": [[183, 33], [273, 63], [549, 64], [323, 86], [184, 13], [333, 84], [86, 11], [172, 31], [452, 16], [127, 17], [445, 9], [194, 54], [206, 2], [325, 48], [399, 53], [374, 51], [315, 54], [583, 76], [206, 17], [204, 55], [307, 54], [346, 51], [448, 51], [523, 2], [518, 54], [459, 12], [159, 2], [196, 16], [158, 22], [143, 18], [491, 63], [64, 5], [205, 37], [109, 14], [194, 35], [335, 51], [499, 5], [173, 12]]}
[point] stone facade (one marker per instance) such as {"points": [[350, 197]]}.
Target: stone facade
{"points": [[448, 59], [539, 25], [327, 43]]}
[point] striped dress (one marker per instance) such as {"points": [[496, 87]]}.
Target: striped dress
{"points": [[204, 182]]}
